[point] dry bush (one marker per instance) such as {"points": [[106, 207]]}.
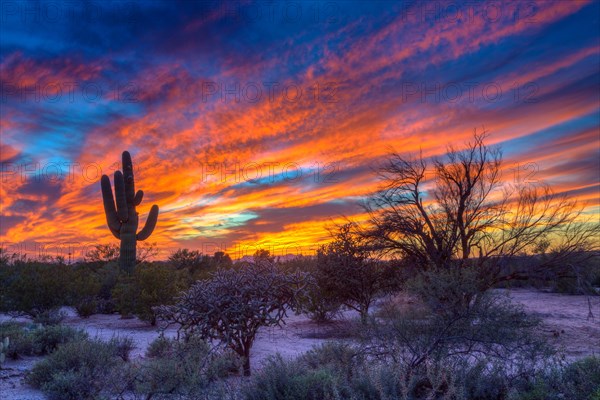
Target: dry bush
{"points": [[234, 304]]}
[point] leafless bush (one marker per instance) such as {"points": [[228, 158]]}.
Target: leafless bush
{"points": [[234, 304]]}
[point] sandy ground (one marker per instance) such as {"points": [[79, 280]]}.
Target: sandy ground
{"points": [[564, 317], [565, 320]]}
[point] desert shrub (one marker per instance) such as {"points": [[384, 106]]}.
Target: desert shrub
{"points": [[20, 340], [187, 259], [280, 379], [85, 289], [491, 329], [4, 343], [318, 304], [340, 356], [108, 274], [234, 304], [32, 339], [159, 347], [76, 370], [125, 294], [348, 272], [581, 379], [342, 371], [339, 371], [446, 291], [151, 285], [581, 280], [577, 380], [35, 289], [185, 368], [196, 265], [122, 346], [50, 317], [47, 338], [156, 284], [86, 307]]}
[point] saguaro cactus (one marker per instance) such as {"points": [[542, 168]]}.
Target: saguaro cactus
{"points": [[123, 219]]}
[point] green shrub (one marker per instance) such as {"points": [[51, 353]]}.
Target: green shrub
{"points": [[31, 339], [342, 357], [108, 275], [50, 317], [577, 380], [159, 347], [151, 285], [291, 380], [581, 379], [76, 370], [123, 346], [342, 371], [21, 340], [85, 289], [47, 339], [339, 371], [35, 289], [182, 367], [4, 343], [86, 307], [124, 295], [156, 284], [318, 304]]}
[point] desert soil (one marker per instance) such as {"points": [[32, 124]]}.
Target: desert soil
{"points": [[565, 322]]}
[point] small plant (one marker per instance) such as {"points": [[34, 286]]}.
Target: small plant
{"points": [[3, 349], [122, 346]]}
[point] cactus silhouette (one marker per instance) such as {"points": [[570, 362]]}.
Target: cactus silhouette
{"points": [[122, 219]]}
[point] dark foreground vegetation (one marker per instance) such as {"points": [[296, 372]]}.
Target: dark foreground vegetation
{"points": [[454, 338]]}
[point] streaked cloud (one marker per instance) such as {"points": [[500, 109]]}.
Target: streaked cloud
{"points": [[252, 126]]}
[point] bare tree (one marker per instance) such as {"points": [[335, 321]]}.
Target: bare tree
{"points": [[234, 304], [457, 211]]}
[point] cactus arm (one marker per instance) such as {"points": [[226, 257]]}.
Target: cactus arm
{"points": [[120, 195], [150, 224], [137, 200], [128, 177], [110, 211]]}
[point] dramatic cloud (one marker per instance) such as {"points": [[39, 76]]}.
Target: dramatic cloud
{"points": [[258, 124]]}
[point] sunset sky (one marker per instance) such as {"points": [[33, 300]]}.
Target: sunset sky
{"points": [[258, 124]]}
